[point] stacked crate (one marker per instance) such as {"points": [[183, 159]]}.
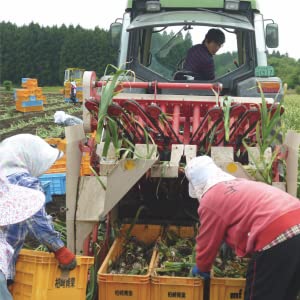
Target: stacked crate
{"points": [[56, 174], [60, 165], [38, 277], [31, 97]]}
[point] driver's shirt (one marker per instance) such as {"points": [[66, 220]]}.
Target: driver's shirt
{"points": [[200, 61]]}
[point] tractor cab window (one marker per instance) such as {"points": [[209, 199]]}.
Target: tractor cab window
{"points": [[168, 47]]}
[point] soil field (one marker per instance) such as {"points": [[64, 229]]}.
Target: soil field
{"points": [[41, 123]]}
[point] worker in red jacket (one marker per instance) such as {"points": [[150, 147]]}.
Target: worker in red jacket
{"points": [[256, 220]]}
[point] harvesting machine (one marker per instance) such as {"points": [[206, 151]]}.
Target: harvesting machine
{"points": [[159, 117]]}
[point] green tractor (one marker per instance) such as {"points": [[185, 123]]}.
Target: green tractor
{"points": [[73, 85]]}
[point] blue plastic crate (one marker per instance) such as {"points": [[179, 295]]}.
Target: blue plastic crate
{"points": [[47, 190], [57, 182], [32, 103], [32, 98], [68, 100]]}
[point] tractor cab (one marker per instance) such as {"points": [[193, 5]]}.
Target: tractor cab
{"points": [[73, 85], [73, 74], [154, 37]]}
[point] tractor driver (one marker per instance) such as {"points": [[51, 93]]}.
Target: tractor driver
{"points": [[199, 59]]}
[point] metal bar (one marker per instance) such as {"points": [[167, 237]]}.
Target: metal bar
{"points": [[196, 117], [167, 85], [176, 118]]}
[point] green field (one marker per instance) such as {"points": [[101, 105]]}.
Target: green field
{"points": [[292, 112]]}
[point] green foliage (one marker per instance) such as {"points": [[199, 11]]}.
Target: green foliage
{"points": [[50, 50], [226, 110], [225, 62], [168, 48], [292, 112], [297, 89], [286, 68], [45, 52], [108, 127], [104, 121], [7, 85], [268, 130]]}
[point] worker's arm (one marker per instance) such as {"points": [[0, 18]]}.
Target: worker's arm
{"points": [[209, 239]]}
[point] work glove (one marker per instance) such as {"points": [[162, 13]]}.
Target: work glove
{"points": [[196, 273]]}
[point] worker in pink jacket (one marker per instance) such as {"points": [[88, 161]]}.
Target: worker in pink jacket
{"points": [[256, 220]]}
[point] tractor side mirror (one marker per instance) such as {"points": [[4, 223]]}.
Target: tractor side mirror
{"points": [[272, 40], [115, 34]]}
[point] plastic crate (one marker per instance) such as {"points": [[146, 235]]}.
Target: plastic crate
{"points": [[61, 144], [227, 288], [42, 98], [29, 109], [123, 286], [29, 83], [47, 190], [58, 167], [68, 100], [85, 164], [32, 103], [20, 99], [170, 287], [22, 92], [57, 182], [38, 277]]}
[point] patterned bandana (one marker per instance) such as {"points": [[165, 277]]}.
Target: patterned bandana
{"points": [[18, 203]]}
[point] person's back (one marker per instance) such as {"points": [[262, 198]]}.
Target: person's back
{"points": [[245, 217], [256, 220], [199, 58], [23, 158]]}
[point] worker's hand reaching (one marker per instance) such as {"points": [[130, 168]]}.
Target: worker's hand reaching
{"points": [[196, 273], [226, 253]]}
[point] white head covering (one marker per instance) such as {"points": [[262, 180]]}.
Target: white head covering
{"points": [[18, 203], [27, 153], [59, 117], [203, 174]]}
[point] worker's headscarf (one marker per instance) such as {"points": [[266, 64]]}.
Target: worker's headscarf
{"points": [[203, 174], [27, 153]]}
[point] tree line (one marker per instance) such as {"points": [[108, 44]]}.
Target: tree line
{"points": [[45, 52]]}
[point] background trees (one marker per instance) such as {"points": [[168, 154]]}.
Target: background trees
{"points": [[45, 52]]}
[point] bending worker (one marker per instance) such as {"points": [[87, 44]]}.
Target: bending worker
{"points": [[23, 158], [254, 219], [199, 59], [16, 205]]}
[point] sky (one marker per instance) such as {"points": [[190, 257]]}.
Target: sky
{"points": [[102, 13]]}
